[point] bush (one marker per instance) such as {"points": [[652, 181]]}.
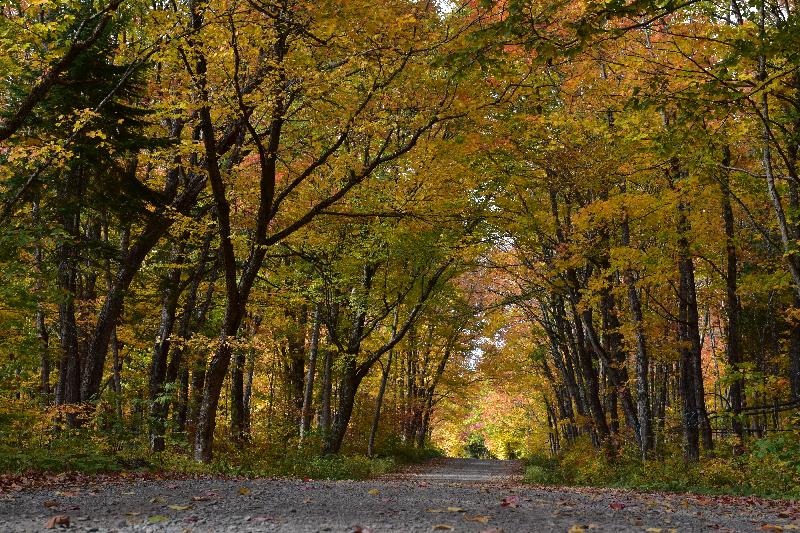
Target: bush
{"points": [[29, 442], [771, 469]]}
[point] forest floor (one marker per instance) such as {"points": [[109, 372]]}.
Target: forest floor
{"points": [[442, 495]]}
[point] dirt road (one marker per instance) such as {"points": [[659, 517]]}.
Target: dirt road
{"points": [[458, 495]]}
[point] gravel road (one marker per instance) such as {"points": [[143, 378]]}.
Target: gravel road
{"points": [[460, 495]]}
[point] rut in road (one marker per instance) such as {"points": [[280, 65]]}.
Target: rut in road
{"points": [[461, 495]]}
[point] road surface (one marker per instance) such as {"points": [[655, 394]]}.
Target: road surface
{"points": [[460, 495]]}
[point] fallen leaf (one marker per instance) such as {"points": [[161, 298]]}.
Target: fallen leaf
{"points": [[510, 501], [443, 527], [374, 492], [157, 518], [158, 499], [133, 513], [200, 498], [455, 510], [360, 529], [772, 527], [180, 507], [576, 529], [60, 520], [244, 491], [493, 530], [482, 518], [617, 505], [50, 503]]}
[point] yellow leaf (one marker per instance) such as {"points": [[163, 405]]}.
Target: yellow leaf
{"points": [[374, 492], [244, 491], [180, 507]]}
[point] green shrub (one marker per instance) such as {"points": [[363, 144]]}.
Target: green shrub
{"points": [[771, 469]]}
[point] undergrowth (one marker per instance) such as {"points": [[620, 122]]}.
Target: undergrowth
{"points": [[768, 467], [29, 443]]}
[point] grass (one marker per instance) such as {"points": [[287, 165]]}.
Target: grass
{"points": [[769, 468]]}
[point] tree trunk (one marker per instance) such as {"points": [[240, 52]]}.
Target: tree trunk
{"points": [[296, 367], [643, 409], [161, 349], [308, 393], [41, 326], [376, 416], [237, 396], [590, 379], [68, 388], [215, 376], [733, 347], [348, 387], [688, 296], [325, 395]]}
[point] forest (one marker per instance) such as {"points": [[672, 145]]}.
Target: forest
{"points": [[321, 237]]}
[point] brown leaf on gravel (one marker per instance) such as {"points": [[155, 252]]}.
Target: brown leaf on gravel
{"points": [[772, 527], [493, 530], [617, 505], [482, 518], [443, 527], [244, 491], [61, 520], [510, 501], [360, 529], [50, 503]]}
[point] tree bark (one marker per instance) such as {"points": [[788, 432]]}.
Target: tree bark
{"points": [[325, 395], [733, 345], [68, 388], [161, 349], [643, 408], [308, 393]]}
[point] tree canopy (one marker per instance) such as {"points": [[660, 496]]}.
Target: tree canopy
{"points": [[495, 226]]}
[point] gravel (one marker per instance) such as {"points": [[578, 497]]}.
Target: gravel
{"points": [[461, 495]]}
